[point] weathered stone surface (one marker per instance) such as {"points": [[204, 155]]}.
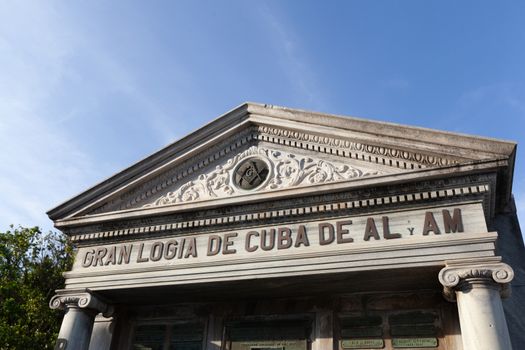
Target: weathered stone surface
{"points": [[268, 215]]}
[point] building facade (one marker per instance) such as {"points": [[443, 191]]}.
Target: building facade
{"points": [[273, 228]]}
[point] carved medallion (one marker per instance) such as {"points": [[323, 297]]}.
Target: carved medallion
{"points": [[251, 173], [262, 169]]}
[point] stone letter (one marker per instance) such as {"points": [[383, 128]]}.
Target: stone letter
{"points": [[302, 237], [111, 258], [371, 229], [155, 252], [171, 249], [228, 242], [101, 253], [140, 259], [430, 224], [192, 248], [340, 232], [214, 245], [181, 248], [284, 238], [269, 246], [386, 230], [247, 245], [88, 258], [454, 223], [331, 237], [125, 254]]}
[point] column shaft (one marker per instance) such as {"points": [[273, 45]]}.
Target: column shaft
{"points": [[80, 307], [76, 328], [478, 286], [481, 316]]}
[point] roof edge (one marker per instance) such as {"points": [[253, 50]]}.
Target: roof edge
{"points": [[234, 116], [241, 113], [395, 130]]}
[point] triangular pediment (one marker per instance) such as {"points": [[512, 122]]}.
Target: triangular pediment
{"points": [[263, 169], [297, 149]]}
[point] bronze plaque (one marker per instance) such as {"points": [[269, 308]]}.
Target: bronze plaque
{"points": [[269, 345], [371, 343], [414, 342]]}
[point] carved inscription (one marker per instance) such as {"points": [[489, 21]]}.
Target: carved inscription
{"points": [[265, 240]]}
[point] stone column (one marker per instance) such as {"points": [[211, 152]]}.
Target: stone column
{"points": [[478, 286], [81, 307]]}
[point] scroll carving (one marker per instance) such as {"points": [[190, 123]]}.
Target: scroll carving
{"points": [[451, 277], [286, 170], [83, 300]]}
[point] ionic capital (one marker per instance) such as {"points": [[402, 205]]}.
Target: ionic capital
{"points": [[83, 299], [459, 275]]}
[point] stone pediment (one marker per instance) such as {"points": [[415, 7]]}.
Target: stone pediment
{"points": [[258, 169], [297, 149]]}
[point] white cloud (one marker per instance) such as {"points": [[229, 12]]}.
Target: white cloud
{"points": [[40, 163]]}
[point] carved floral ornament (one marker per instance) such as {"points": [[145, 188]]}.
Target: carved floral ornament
{"points": [[282, 170], [451, 277]]}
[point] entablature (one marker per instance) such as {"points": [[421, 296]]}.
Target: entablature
{"points": [[157, 221]]}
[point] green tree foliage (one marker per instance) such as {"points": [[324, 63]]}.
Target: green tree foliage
{"points": [[31, 266]]}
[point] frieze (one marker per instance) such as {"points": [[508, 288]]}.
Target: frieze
{"points": [[468, 183], [291, 212], [286, 170], [300, 237]]}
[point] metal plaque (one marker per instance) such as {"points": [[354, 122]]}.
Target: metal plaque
{"points": [[269, 345], [414, 342], [372, 343]]}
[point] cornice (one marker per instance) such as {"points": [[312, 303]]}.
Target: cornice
{"points": [[384, 155], [380, 156], [368, 203], [249, 124]]}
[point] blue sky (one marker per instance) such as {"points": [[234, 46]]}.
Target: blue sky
{"points": [[88, 88]]}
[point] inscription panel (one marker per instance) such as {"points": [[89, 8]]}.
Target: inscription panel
{"points": [[363, 343], [318, 237], [414, 342], [391, 329], [269, 345]]}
